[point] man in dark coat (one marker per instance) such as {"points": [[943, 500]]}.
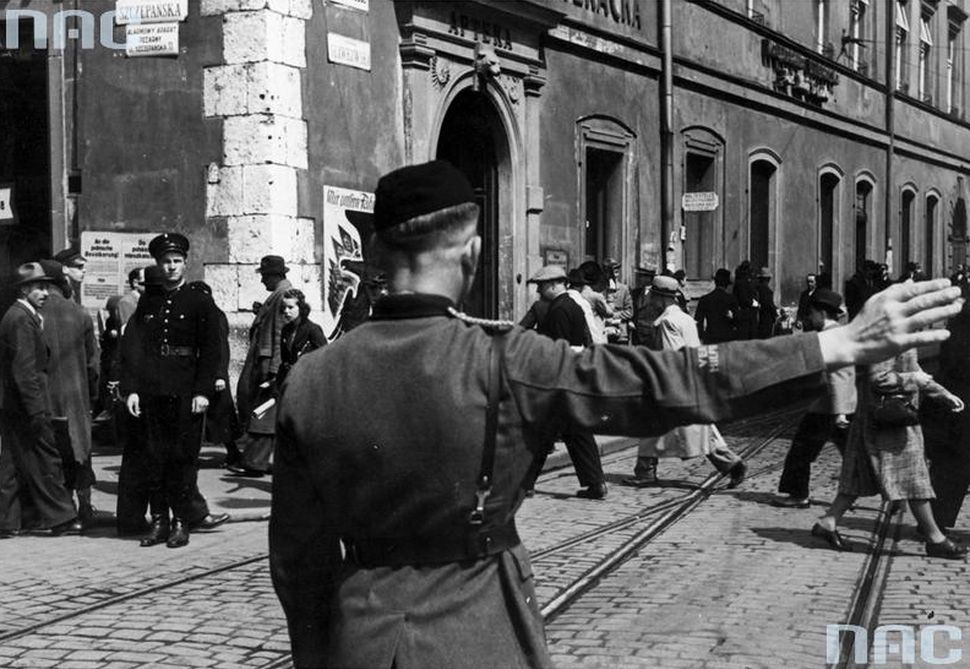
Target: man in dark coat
{"points": [[767, 311], [717, 311], [170, 362], [805, 298], [31, 469], [259, 372], [567, 322], [73, 380], [423, 498]]}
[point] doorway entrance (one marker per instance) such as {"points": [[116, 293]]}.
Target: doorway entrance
{"points": [[25, 159], [700, 226], [473, 139]]}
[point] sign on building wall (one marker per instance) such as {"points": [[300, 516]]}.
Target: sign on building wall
{"points": [[348, 51], [156, 39], [7, 214], [362, 5], [110, 256], [704, 201], [150, 11], [347, 225]]}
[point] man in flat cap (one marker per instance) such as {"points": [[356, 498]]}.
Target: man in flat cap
{"points": [[170, 362], [31, 470], [257, 381], [73, 263], [405, 448]]}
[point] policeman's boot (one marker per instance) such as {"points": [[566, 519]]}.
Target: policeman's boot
{"points": [[158, 533], [179, 534]]}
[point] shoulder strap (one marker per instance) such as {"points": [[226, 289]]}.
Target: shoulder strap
{"points": [[496, 356]]}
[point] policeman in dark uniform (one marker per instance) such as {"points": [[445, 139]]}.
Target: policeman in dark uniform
{"points": [[405, 448], [171, 356]]}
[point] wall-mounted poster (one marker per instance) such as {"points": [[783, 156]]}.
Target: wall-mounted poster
{"points": [[349, 283], [8, 215], [110, 256]]}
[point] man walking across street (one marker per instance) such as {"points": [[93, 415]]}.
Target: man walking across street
{"points": [[675, 329], [827, 418], [72, 378], [31, 470], [717, 311], [171, 359], [257, 380], [392, 539]]}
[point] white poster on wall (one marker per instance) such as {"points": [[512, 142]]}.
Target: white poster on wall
{"points": [[110, 256], [343, 257]]}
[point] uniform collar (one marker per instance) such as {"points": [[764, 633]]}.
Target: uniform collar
{"points": [[411, 305]]}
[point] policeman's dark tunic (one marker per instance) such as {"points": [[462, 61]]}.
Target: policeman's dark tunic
{"points": [[380, 443], [170, 354]]}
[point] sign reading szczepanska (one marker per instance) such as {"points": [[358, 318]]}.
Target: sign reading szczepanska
{"points": [[703, 201], [156, 39], [150, 11]]}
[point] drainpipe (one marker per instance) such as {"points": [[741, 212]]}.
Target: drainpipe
{"points": [[890, 123], [666, 131]]}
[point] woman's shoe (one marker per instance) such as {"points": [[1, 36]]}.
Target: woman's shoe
{"points": [[947, 549], [833, 537]]}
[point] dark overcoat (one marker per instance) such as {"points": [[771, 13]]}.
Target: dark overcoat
{"points": [[388, 466], [263, 360], [73, 369]]}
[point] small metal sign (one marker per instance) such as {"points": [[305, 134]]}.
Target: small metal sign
{"points": [[8, 216], [157, 39], [348, 51], [361, 5], [703, 201]]}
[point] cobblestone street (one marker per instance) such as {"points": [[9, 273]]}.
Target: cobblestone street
{"points": [[735, 583]]}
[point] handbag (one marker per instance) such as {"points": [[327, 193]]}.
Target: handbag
{"points": [[894, 410]]}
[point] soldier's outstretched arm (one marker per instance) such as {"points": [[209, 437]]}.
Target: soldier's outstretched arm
{"points": [[901, 317]]}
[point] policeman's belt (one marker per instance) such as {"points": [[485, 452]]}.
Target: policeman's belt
{"points": [[397, 552], [167, 351]]}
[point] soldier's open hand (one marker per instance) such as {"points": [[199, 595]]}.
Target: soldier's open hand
{"points": [[901, 317]]}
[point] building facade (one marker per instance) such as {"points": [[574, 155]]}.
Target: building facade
{"points": [[798, 134]]}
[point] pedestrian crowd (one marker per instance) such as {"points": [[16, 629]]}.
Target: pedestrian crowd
{"points": [[160, 372], [392, 532]]}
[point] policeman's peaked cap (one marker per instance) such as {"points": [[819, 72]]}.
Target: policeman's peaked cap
{"points": [[417, 190], [168, 242], [70, 256]]}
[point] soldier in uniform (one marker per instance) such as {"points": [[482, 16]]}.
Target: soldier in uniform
{"points": [[404, 448], [171, 356]]}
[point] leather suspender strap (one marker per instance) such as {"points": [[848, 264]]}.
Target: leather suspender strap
{"points": [[496, 356]]}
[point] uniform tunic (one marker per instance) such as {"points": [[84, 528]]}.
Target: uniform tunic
{"points": [[170, 354], [379, 439]]}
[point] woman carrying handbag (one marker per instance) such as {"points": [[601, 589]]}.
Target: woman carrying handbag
{"points": [[884, 452]]}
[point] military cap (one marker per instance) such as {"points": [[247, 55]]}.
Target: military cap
{"points": [[416, 190], [168, 242], [70, 256], [665, 285], [272, 265], [828, 300], [30, 272], [611, 263], [548, 273]]}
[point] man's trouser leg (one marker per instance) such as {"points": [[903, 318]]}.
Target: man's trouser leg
{"points": [[812, 433], [41, 475], [10, 509], [585, 455]]}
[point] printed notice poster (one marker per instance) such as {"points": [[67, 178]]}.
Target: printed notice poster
{"points": [[347, 280], [7, 214], [110, 256]]}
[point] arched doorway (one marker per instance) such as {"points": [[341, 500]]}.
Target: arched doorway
{"points": [[474, 140]]}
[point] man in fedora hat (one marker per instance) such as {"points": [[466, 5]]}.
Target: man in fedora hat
{"points": [[827, 419], [717, 311], [257, 381], [674, 330], [767, 311], [405, 448], [170, 363], [31, 469]]}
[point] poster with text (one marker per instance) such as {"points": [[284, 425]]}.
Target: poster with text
{"points": [[347, 279], [110, 256]]}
